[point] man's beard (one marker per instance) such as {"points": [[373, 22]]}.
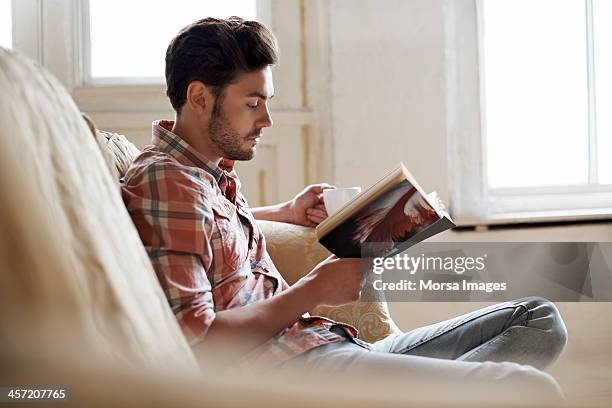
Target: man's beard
{"points": [[228, 141]]}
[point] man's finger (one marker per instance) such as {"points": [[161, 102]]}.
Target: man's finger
{"points": [[314, 219], [318, 188], [316, 212], [310, 223]]}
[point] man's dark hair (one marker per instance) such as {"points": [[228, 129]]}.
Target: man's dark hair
{"points": [[215, 51]]}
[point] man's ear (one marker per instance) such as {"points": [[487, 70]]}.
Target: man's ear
{"points": [[199, 99]]}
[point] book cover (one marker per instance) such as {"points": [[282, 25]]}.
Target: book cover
{"points": [[388, 218]]}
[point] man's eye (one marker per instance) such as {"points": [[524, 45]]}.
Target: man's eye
{"points": [[253, 106]]}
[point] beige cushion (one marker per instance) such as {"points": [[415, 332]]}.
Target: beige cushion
{"points": [[121, 151], [70, 251], [295, 251]]}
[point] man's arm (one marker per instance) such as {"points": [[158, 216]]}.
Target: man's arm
{"points": [[182, 265], [278, 212], [239, 330], [305, 209]]}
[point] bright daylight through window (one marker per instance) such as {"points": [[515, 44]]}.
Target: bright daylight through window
{"points": [[602, 15], [6, 26], [131, 43], [547, 92]]}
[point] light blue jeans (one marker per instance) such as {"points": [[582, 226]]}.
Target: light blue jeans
{"points": [[507, 342]]}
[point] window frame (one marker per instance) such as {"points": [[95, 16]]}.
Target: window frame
{"points": [[473, 202], [56, 34], [12, 24], [263, 11], [50, 32]]}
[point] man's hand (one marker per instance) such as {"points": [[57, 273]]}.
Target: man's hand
{"points": [[335, 282], [307, 207]]}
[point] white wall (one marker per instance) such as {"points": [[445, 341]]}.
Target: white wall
{"points": [[388, 90]]}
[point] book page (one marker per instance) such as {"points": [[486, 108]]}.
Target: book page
{"points": [[396, 216], [372, 193]]}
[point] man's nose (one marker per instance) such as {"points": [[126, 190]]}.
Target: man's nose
{"points": [[266, 120]]}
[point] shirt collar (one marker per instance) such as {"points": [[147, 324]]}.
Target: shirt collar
{"points": [[172, 144]]}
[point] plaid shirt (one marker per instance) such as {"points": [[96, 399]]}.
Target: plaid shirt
{"points": [[205, 246]]}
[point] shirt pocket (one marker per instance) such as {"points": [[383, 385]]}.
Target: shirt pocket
{"points": [[232, 239]]}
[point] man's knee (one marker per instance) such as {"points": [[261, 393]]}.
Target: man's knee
{"points": [[543, 314]]}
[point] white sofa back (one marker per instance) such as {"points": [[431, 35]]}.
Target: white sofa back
{"points": [[70, 253]]}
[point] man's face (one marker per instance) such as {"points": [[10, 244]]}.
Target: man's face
{"points": [[235, 128]]}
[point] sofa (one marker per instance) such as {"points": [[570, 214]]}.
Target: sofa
{"points": [[80, 305]]}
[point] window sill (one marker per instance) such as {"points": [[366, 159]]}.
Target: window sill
{"points": [[540, 217]]}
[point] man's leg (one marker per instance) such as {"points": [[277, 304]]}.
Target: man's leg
{"points": [[431, 380], [454, 360], [525, 331]]}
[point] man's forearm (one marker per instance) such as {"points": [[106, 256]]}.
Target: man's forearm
{"points": [[279, 212], [244, 328]]}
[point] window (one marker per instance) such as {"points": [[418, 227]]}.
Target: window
{"points": [[6, 24], [539, 147], [536, 94], [124, 91], [113, 53], [602, 55]]}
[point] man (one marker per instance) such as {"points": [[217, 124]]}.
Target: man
{"points": [[211, 259]]}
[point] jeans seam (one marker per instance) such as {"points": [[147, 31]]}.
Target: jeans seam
{"points": [[477, 350], [412, 346], [529, 313], [529, 317]]}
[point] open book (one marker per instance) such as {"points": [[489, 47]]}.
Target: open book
{"points": [[387, 218]]}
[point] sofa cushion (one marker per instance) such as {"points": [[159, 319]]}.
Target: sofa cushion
{"points": [[121, 151], [118, 152], [70, 251]]}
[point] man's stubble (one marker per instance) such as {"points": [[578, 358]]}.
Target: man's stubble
{"points": [[227, 140]]}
